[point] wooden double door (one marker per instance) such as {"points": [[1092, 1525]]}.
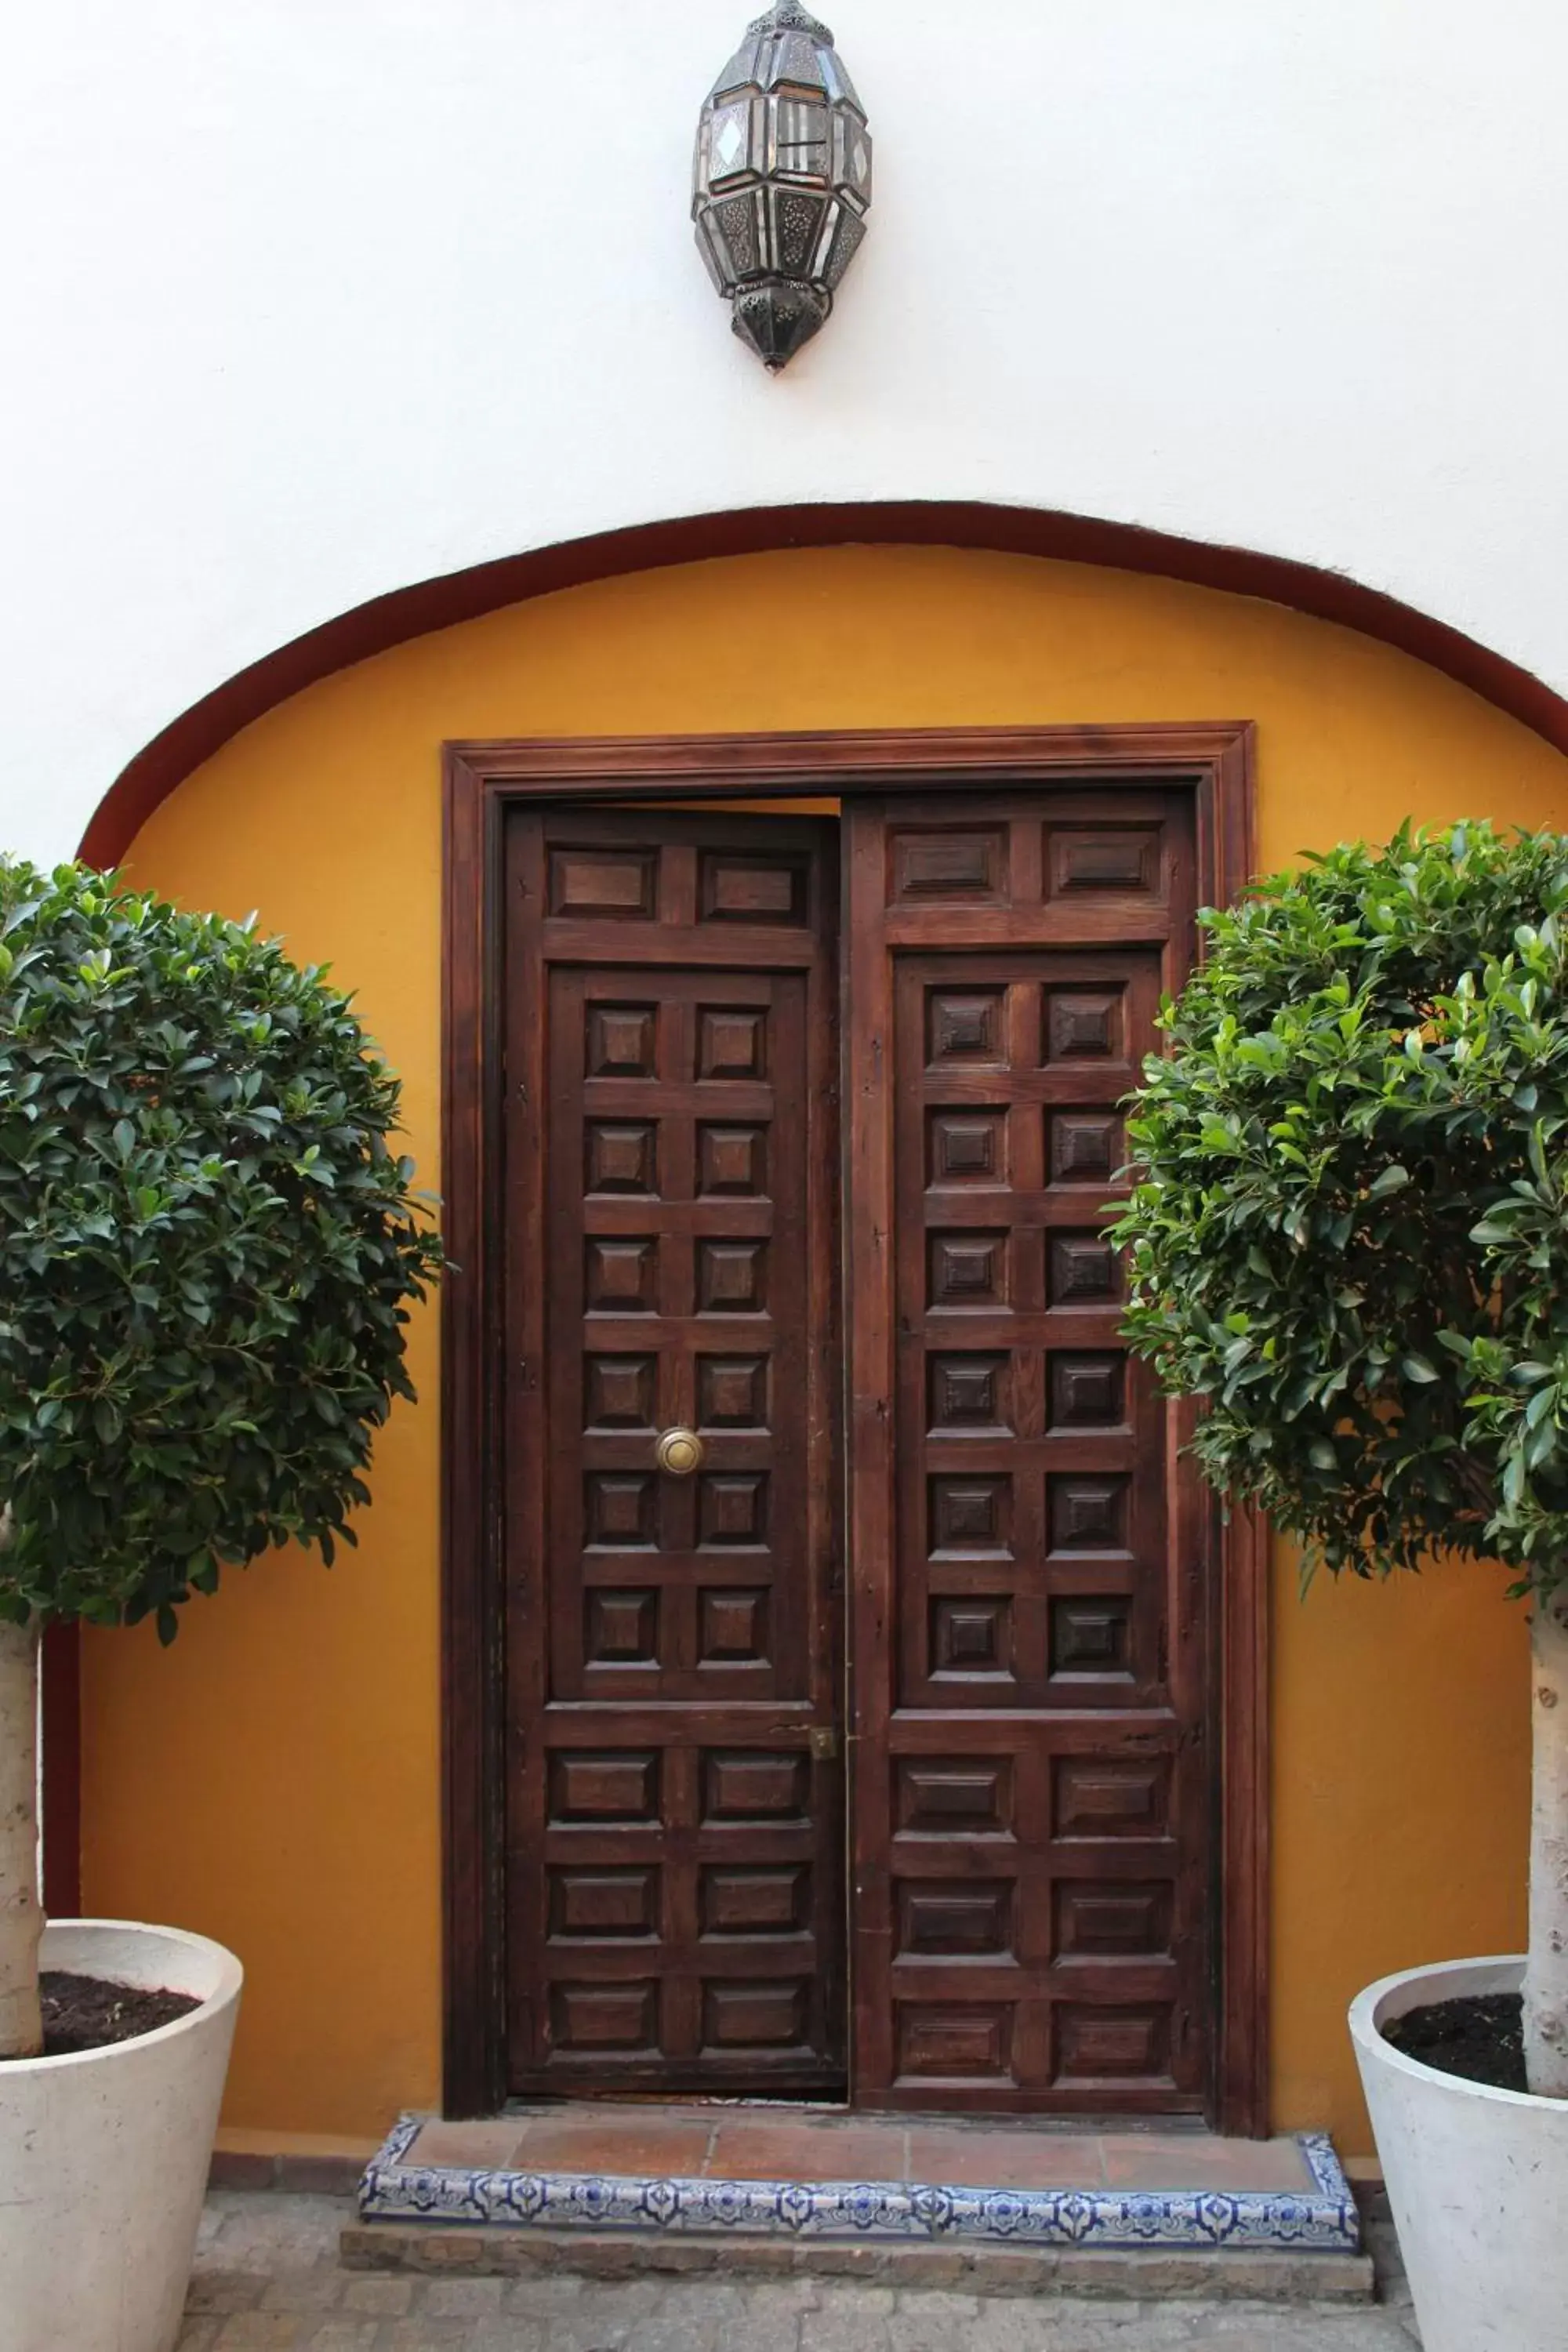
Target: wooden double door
{"points": [[857, 1620]]}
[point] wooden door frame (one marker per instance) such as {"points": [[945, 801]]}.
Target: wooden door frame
{"points": [[1213, 761]]}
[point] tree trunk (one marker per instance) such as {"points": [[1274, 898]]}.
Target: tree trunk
{"points": [[21, 1913], [1546, 1973]]}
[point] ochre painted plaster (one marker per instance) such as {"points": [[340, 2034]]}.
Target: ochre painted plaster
{"points": [[273, 1778]]}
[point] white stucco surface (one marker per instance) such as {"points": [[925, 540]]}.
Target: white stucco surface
{"points": [[311, 299]]}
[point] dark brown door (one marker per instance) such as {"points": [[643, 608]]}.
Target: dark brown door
{"points": [[675, 1789], [1032, 1839]]}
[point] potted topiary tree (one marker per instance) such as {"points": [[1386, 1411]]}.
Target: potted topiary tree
{"points": [[1348, 1236], [207, 1257]]}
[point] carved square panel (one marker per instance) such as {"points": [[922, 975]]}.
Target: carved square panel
{"points": [[1081, 1270], [1110, 1919], [1105, 2044], [966, 1147], [732, 1042], [1085, 1146], [955, 1796], [620, 1629], [970, 1392], [602, 1900], [602, 2017], [622, 1041], [1121, 859], [620, 1156], [1092, 1635], [605, 882], [753, 1784], [938, 868], [731, 1277], [732, 1161], [971, 1518], [1087, 1513], [754, 2015], [1111, 1797], [731, 1508], [971, 1635], [770, 1898], [1084, 1024], [619, 1391], [968, 1269], [733, 1627], [739, 887], [732, 1392], [1087, 1392], [966, 1025], [618, 1277], [620, 1510], [955, 2041], [939, 1920], [619, 1786]]}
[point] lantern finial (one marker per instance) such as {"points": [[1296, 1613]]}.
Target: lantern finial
{"points": [[784, 17]]}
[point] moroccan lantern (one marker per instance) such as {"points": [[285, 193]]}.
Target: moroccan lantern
{"points": [[783, 181]]}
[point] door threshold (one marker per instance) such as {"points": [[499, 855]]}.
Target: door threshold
{"points": [[593, 2103], [694, 2171]]}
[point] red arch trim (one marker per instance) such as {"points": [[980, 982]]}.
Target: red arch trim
{"points": [[429, 605]]}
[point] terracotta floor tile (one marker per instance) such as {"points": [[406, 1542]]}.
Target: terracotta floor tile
{"points": [[805, 2151], [687, 2142], [1157, 2160], [1005, 2159], [489, 2146], [642, 2146]]}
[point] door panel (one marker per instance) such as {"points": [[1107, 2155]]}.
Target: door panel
{"points": [[695, 1587], [1030, 1619], [676, 1804], [1031, 1468]]}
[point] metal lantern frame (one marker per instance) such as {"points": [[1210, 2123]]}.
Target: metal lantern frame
{"points": [[782, 182]]}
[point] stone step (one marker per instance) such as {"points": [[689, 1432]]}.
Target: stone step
{"points": [[448, 2249], [1003, 2208]]}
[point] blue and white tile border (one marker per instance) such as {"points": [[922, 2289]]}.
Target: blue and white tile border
{"points": [[1320, 2220]]}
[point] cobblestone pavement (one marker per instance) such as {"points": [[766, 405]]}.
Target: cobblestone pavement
{"points": [[268, 2275]]}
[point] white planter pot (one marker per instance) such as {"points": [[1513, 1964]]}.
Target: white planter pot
{"points": [[1477, 2177], [103, 2156]]}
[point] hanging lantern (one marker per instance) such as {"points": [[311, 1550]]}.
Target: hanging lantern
{"points": [[783, 181]]}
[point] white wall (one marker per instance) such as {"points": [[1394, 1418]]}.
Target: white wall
{"points": [[311, 299]]}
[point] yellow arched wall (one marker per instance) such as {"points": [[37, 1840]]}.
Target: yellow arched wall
{"points": [[273, 1779]]}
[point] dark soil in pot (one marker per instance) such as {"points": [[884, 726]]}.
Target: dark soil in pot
{"points": [[90, 2013], [1480, 2038]]}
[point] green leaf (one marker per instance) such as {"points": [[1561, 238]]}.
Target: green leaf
{"points": [[1394, 1179]]}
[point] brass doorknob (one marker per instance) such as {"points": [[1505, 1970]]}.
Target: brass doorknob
{"points": [[679, 1452]]}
